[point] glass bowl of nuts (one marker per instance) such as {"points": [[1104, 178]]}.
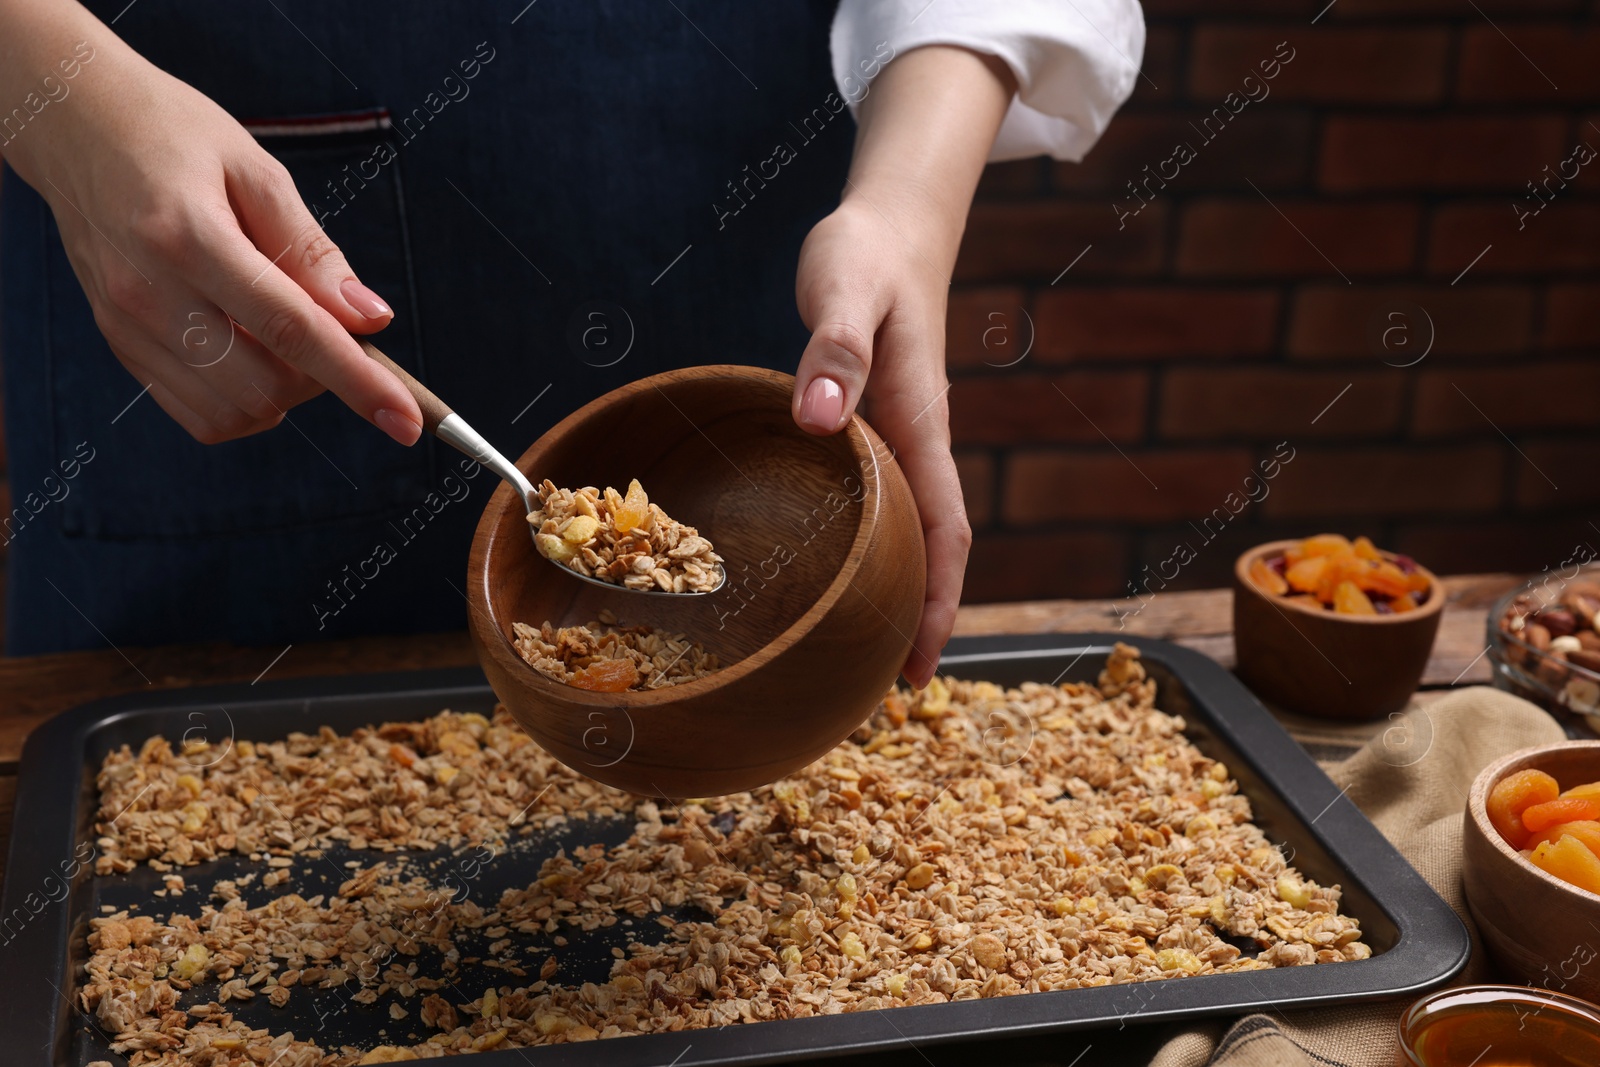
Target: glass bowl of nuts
{"points": [[1544, 645]]}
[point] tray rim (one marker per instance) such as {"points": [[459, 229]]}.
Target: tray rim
{"points": [[1432, 943]]}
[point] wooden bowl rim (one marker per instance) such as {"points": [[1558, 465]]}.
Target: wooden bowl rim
{"points": [[1433, 605], [1478, 797], [855, 432]]}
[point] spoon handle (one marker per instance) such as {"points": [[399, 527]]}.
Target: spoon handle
{"points": [[452, 429], [434, 410]]}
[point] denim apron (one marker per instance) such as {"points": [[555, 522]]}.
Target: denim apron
{"points": [[556, 199]]}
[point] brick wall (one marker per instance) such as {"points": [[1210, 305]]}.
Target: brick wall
{"points": [[1326, 225]]}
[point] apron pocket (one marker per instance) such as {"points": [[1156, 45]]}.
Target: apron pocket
{"points": [[323, 463]]}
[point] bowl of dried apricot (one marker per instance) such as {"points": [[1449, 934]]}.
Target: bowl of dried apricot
{"points": [[1333, 627], [1531, 864]]}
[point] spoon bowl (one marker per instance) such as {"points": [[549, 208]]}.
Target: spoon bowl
{"points": [[822, 593]]}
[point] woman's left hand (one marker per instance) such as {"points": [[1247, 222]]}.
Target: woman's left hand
{"points": [[872, 285], [876, 309]]}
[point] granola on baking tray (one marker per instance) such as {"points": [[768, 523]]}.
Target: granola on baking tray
{"points": [[624, 540], [968, 841]]}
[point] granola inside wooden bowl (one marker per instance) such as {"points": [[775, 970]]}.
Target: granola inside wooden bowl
{"points": [[826, 570]]}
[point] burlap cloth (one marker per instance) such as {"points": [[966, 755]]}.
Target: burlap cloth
{"points": [[1410, 777]]}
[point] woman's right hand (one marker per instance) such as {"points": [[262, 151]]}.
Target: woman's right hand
{"points": [[208, 276]]}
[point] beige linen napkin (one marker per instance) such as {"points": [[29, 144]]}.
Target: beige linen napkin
{"points": [[1411, 780]]}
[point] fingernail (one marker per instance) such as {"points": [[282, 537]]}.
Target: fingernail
{"points": [[364, 300], [397, 426], [822, 407]]}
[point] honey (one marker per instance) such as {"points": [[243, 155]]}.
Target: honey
{"points": [[1500, 1026]]}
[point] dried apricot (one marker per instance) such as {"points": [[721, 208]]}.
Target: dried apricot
{"points": [[1586, 831], [1316, 567], [635, 506], [1325, 545], [1538, 817], [1569, 861], [1267, 580], [1307, 574], [1513, 795], [606, 676], [1340, 569], [1385, 578], [1351, 600], [1587, 789]]}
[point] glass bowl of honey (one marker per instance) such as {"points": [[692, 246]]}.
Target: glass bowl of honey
{"points": [[1500, 1026]]}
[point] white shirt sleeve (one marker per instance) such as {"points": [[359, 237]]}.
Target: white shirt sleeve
{"points": [[1075, 61]]}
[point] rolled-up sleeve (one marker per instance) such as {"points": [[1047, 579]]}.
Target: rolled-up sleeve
{"points": [[1075, 61]]}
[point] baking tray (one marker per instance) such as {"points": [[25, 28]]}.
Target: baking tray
{"points": [[1417, 941]]}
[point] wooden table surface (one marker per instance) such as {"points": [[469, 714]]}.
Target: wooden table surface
{"points": [[36, 687]]}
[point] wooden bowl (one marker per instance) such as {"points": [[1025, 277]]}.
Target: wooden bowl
{"points": [[826, 570], [1539, 929], [1322, 663]]}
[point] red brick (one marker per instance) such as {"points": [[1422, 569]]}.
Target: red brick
{"points": [[1536, 63], [1272, 149], [1252, 237], [1159, 81], [976, 470], [1076, 407], [985, 326], [1213, 551], [1490, 400], [1005, 566], [1037, 240], [1143, 486], [1365, 481], [1457, 152], [1564, 237], [1491, 546], [1570, 320], [1330, 64], [1558, 474], [1020, 177], [1158, 323], [1261, 403], [1337, 321]]}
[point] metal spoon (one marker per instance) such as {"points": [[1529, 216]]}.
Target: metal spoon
{"points": [[452, 429]]}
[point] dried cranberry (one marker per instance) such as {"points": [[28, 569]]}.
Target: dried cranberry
{"points": [[1383, 607], [1406, 564], [1279, 565]]}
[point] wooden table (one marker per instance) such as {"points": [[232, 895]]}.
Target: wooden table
{"points": [[35, 688]]}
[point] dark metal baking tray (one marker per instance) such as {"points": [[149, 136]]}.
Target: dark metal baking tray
{"points": [[1417, 941]]}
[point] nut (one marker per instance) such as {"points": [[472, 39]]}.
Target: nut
{"points": [[1562, 646], [1559, 621], [1583, 598], [1588, 659]]}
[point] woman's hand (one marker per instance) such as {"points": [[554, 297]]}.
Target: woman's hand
{"points": [[207, 275], [872, 286]]}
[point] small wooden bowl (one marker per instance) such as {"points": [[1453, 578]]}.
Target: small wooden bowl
{"points": [[1318, 662], [826, 570], [1539, 929]]}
